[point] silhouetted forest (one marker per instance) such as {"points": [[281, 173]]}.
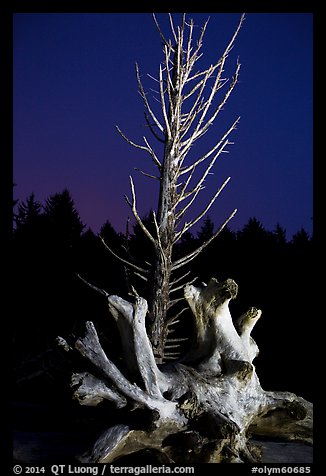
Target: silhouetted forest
{"points": [[51, 246]]}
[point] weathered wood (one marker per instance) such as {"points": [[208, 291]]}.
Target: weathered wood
{"points": [[121, 440], [213, 396], [290, 419], [91, 391], [90, 347]]}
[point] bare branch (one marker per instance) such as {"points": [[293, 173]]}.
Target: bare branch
{"points": [[211, 151], [235, 34], [199, 103], [172, 323], [141, 276], [189, 48], [159, 30], [164, 112], [202, 33], [143, 95], [175, 319], [178, 54], [157, 228], [157, 137], [135, 213], [189, 225], [180, 339], [128, 263], [172, 290], [195, 191], [195, 56], [101, 291], [152, 77], [175, 281], [169, 82], [152, 153], [146, 174], [183, 194], [172, 28], [201, 73], [201, 84], [146, 148], [172, 346], [142, 147], [201, 129], [174, 301], [186, 259]]}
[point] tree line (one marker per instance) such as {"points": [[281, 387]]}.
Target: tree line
{"points": [[53, 249]]}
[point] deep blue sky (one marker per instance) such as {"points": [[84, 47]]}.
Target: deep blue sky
{"points": [[74, 81]]}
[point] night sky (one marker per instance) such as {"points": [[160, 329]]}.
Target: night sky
{"points": [[74, 80]]}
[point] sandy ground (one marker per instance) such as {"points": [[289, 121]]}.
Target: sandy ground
{"points": [[48, 434], [284, 452], [61, 447]]}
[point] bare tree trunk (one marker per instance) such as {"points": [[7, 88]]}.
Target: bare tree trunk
{"points": [[180, 127], [160, 285], [159, 302], [160, 295]]}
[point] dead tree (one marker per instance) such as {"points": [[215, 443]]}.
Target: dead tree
{"points": [[204, 406], [186, 115]]}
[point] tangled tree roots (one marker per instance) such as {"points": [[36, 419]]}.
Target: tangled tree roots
{"points": [[202, 408]]}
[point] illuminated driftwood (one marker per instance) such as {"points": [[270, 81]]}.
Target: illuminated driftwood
{"points": [[211, 397]]}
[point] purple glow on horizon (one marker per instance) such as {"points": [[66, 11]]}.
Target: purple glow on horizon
{"points": [[74, 81]]}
